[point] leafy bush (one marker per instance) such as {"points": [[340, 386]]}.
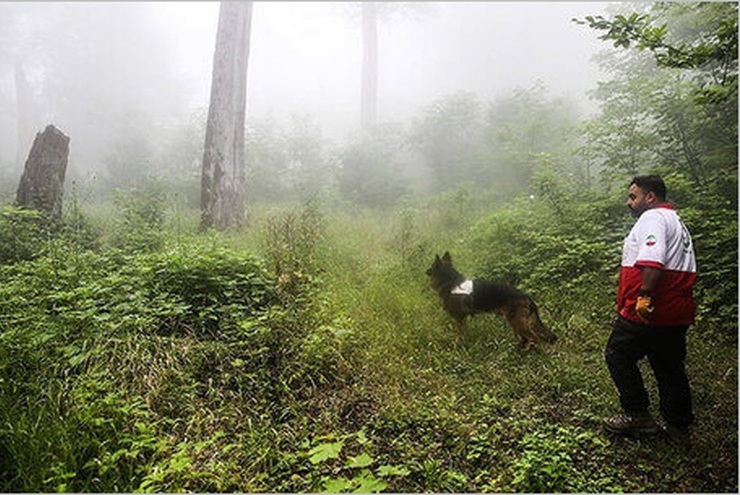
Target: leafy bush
{"points": [[529, 246], [139, 220], [373, 168], [22, 234], [549, 462], [77, 227], [715, 235], [73, 331], [213, 285]]}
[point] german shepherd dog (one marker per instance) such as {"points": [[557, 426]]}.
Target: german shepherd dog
{"points": [[462, 298]]}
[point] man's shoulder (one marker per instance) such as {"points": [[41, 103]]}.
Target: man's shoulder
{"points": [[659, 214]]}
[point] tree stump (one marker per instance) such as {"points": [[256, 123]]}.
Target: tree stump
{"points": [[42, 183]]}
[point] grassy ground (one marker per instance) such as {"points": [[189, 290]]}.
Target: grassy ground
{"points": [[495, 418], [351, 382]]}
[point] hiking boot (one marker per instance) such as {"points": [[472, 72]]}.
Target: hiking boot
{"points": [[631, 424], [677, 436]]}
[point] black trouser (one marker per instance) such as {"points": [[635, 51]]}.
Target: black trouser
{"points": [[665, 348]]}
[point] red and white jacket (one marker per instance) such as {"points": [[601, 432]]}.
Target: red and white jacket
{"points": [[659, 239]]}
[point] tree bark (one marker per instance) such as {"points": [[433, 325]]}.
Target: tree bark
{"points": [[369, 96], [42, 184], [223, 180]]}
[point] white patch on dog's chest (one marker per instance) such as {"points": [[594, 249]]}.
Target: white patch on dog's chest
{"points": [[465, 288]]}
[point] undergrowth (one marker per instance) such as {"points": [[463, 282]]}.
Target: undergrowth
{"points": [[307, 353]]}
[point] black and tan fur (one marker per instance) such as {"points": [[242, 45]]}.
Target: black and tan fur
{"points": [[518, 307]]}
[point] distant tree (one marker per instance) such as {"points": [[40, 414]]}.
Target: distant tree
{"points": [[372, 13], [448, 133], [100, 70], [373, 168], [684, 74], [525, 129], [268, 160], [369, 105], [223, 180], [26, 110], [313, 168], [17, 45]]}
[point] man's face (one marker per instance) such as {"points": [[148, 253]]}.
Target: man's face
{"points": [[639, 201]]}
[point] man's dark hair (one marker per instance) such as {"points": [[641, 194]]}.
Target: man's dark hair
{"points": [[651, 183]]}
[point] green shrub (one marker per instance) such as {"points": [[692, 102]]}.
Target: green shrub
{"points": [[214, 286], [78, 228], [83, 339], [22, 234], [561, 459], [139, 219], [715, 235], [528, 246]]}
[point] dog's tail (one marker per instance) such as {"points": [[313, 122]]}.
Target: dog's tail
{"points": [[547, 335]]}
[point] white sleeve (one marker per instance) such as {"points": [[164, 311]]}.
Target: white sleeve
{"points": [[651, 239]]}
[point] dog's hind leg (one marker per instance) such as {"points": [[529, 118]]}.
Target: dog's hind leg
{"points": [[518, 318], [539, 328]]}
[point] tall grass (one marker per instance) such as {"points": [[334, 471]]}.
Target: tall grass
{"points": [[308, 353]]}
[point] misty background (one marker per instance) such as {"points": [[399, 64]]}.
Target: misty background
{"points": [[129, 82]]}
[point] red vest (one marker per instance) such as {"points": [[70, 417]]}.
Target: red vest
{"points": [[659, 239]]}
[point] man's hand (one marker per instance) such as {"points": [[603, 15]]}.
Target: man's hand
{"points": [[644, 308]]}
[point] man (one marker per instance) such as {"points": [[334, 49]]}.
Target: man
{"points": [[656, 307]]}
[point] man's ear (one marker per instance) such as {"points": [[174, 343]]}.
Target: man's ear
{"points": [[651, 198]]}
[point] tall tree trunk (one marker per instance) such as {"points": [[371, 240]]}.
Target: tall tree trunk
{"points": [[42, 183], [27, 119], [369, 108], [223, 181]]}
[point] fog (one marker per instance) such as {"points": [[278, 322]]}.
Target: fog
{"points": [[129, 70], [306, 56]]}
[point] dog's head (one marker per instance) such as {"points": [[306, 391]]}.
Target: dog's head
{"points": [[441, 273]]}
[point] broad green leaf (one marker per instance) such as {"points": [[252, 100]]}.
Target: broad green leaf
{"points": [[325, 451], [361, 461], [336, 485], [368, 483]]}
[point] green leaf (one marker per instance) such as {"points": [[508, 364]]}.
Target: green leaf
{"points": [[336, 485], [361, 437], [361, 461], [325, 451], [393, 471], [367, 483]]}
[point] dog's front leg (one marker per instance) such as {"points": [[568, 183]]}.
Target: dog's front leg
{"points": [[459, 329]]}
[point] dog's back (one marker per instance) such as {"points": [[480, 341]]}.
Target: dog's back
{"points": [[493, 296]]}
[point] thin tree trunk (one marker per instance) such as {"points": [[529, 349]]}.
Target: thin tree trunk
{"points": [[26, 112], [42, 184], [369, 108], [223, 181]]}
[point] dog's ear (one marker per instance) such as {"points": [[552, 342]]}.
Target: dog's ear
{"points": [[446, 258]]}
